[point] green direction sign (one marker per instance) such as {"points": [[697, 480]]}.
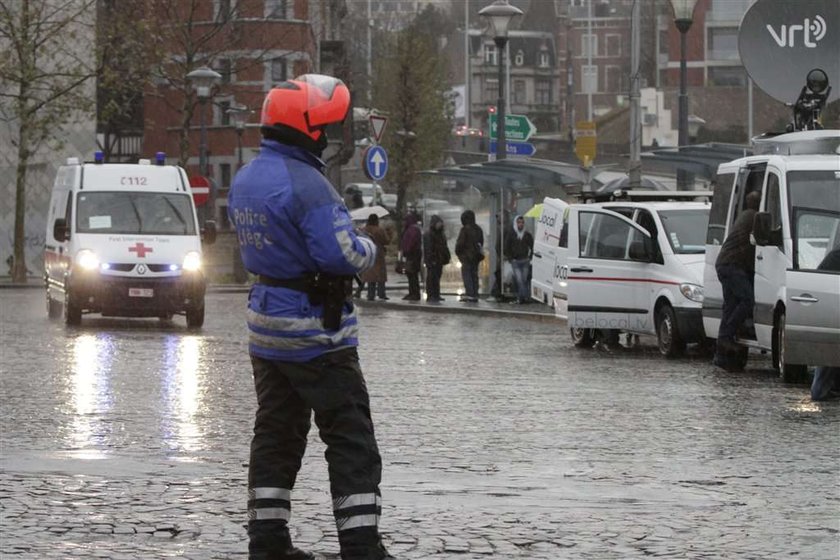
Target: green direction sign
{"points": [[518, 128]]}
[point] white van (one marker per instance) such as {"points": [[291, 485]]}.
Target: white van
{"points": [[797, 289], [123, 240], [635, 267], [549, 249]]}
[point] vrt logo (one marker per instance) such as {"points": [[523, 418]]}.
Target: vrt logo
{"points": [[810, 30]]}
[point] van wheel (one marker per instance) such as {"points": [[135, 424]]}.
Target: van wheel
{"points": [[582, 338], [72, 310], [790, 373], [53, 307], [195, 316], [671, 344]]}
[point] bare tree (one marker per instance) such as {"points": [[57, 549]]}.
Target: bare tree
{"points": [[192, 35], [46, 63], [412, 90]]}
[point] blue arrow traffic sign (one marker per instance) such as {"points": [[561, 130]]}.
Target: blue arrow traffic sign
{"points": [[515, 148], [376, 162]]}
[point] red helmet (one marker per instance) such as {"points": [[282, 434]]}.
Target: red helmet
{"points": [[307, 104]]}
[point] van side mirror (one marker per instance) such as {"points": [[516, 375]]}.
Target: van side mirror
{"points": [[763, 231], [641, 250], [60, 230], [208, 233]]}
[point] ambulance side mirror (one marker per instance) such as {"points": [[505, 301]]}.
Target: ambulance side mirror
{"points": [[60, 230], [208, 233]]}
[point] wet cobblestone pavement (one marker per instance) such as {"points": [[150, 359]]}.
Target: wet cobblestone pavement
{"points": [[129, 439]]}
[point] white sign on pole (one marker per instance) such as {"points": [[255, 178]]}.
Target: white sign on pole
{"points": [[377, 123]]}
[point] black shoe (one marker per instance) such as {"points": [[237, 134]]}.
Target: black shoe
{"points": [[410, 297], [294, 554], [385, 298], [371, 299]]}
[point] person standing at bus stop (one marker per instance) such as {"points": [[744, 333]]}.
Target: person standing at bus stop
{"points": [[296, 234]]}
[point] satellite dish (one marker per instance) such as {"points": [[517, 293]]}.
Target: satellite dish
{"points": [[781, 41]]}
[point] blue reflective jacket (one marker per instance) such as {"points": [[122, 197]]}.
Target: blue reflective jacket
{"points": [[291, 222]]}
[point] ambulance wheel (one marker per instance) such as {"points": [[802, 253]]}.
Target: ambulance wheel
{"points": [[671, 344], [790, 373], [53, 307], [72, 310], [195, 316], [582, 338]]}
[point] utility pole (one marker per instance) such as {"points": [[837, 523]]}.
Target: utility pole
{"points": [[369, 58], [589, 42], [467, 76], [635, 170]]}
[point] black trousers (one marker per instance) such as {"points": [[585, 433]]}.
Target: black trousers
{"points": [[287, 393], [433, 275]]}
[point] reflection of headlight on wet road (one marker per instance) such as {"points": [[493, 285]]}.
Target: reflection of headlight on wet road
{"points": [[192, 261], [87, 259]]}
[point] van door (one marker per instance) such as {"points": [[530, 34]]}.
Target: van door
{"points": [[812, 298], [771, 262], [546, 245], [606, 285], [812, 321]]}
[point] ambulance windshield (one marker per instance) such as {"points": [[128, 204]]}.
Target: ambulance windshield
{"points": [[138, 213]]}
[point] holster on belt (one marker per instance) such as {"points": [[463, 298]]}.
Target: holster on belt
{"points": [[332, 292]]}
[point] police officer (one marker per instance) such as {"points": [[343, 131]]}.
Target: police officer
{"points": [[296, 234]]}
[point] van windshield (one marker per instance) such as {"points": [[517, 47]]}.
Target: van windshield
{"points": [[815, 216], [133, 212], [686, 230]]}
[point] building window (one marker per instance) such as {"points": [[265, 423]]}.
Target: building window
{"points": [[520, 58], [223, 67], [224, 116], [490, 54], [519, 92], [224, 171], [727, 76], [589, 43], [279, 70], [613, 45], [723, 43], [224, 10], [276, 9], [589, 79], [543, 59], [614, 79], [543, 92], [491, 91], [578, 3]]}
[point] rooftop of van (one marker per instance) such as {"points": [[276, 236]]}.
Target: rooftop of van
{"points": [[657, 205], [132, 177]]}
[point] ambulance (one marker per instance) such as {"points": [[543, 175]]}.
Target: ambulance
{"points": [[123, 240]]}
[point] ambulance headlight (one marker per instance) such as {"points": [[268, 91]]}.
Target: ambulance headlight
{"points": [[87, 259], [692, 292], [192, 261]]}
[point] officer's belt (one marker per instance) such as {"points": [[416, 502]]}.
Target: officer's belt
{"points": [[298, 284]]}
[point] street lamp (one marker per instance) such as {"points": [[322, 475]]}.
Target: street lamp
{"points": [[500, 14], [239, 114], [203, 79], [683, 18]]}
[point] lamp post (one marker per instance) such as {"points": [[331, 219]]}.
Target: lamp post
{"points": [[500, 14], [683, 18], [203, 79], [239, 114]]}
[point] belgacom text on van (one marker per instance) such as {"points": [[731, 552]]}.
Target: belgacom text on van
{"points": [[123, 240]]}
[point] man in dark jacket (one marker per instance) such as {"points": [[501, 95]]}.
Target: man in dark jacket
{"points": [[296, 234], [436, 255], [470, 250], [735, 268], [411, 246], [519, 246]]}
